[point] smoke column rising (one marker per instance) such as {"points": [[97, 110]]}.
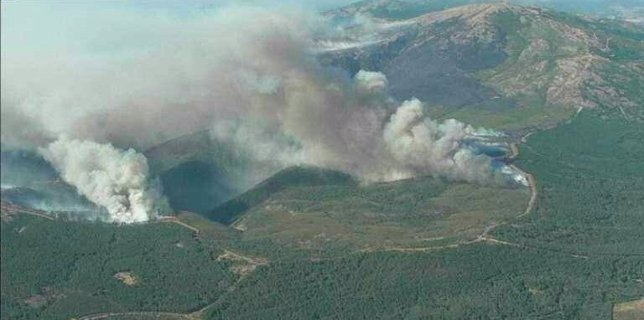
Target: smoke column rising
{"points": [[112, 178], [248, 74], [424, 146]]}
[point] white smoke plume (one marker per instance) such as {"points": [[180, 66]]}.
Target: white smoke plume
{"points": [[249, 74], [421, 145], [112, 178]]}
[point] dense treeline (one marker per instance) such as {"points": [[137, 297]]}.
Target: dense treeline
{"points": [[56, 270], [591, 188], [473, 282]]}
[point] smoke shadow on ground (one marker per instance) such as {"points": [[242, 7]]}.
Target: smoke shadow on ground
{"points": [[196, 186]]}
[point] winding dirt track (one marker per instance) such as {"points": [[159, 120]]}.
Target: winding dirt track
{"points": [[532, 184], [175, 220], [11, 209]]}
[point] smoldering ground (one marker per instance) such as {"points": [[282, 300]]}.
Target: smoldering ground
{"points": [[248, 74]]}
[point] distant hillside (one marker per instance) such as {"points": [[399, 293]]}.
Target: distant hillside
{"points": [[503, 66], [403, 9], [397, 9]]}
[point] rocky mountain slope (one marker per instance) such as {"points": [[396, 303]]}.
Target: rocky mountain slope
{"points": [[502, 65]]}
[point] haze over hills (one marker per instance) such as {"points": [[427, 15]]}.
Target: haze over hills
{"points": [[269, 175]]}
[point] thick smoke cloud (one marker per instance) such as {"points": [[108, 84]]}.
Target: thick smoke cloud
{"points": [[114, 179], [424, 146], [365, 133], [249, 75]]}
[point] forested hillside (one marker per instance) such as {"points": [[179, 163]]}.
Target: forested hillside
{"points": [[575, 255]]}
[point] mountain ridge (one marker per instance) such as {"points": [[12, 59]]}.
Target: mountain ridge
{"points": [[507, 66]]}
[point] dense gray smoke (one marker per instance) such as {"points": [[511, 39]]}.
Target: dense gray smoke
{"points": [[249, 75], [363, 132], [421, 145]]}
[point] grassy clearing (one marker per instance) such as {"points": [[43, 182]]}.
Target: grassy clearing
{"points": [[409, 213], [633, 310]]}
